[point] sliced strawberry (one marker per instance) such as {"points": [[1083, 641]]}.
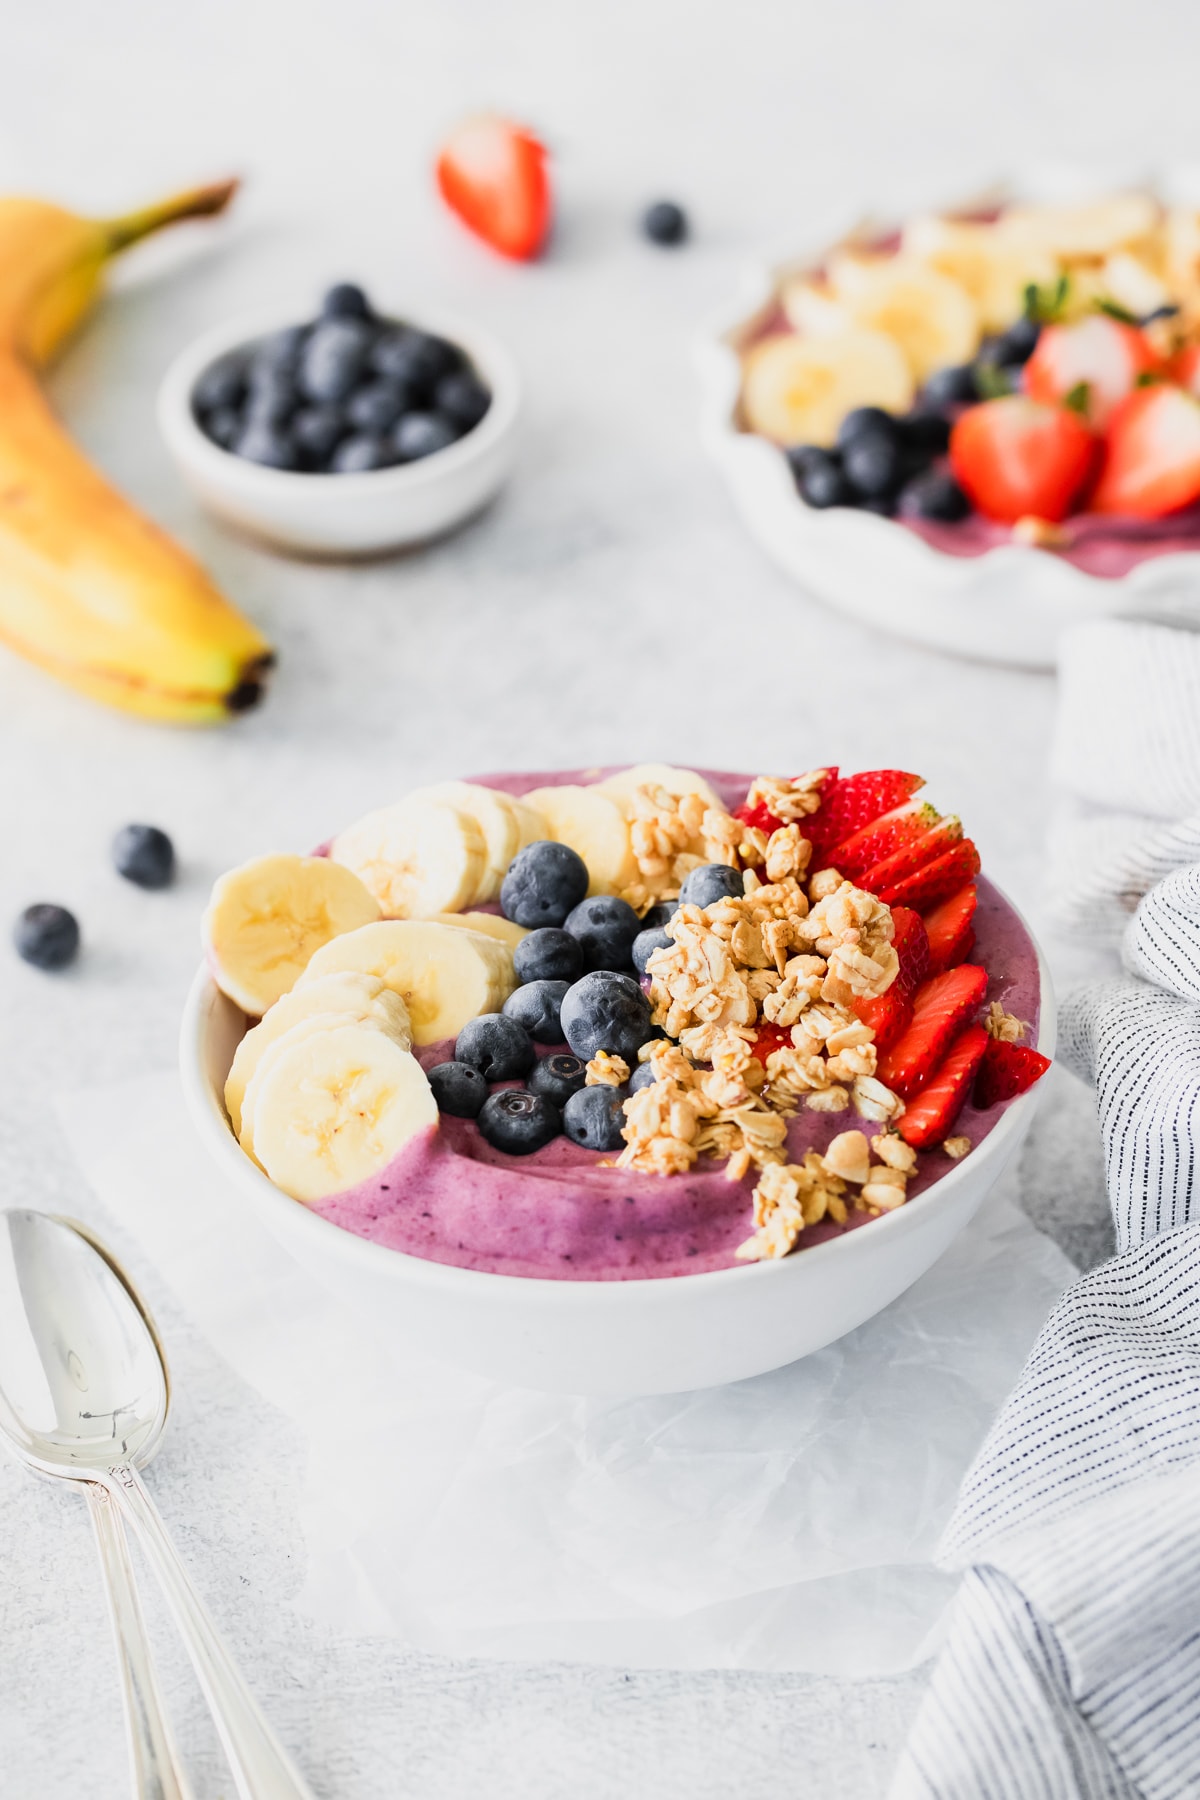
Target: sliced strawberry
{"points": [[1097, 359], [906, 861], [940, 1009], [760, 817], [1006, 1070], [883, 837], [889, 1015], [1185, 369], [1152, 458], [493, 174], [936, 880], [846, 806], [928, 1120], [950, 930], [1017, 459], [769, 1038]]}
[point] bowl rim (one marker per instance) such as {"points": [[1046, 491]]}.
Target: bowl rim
{"points": [[209, 1117], [182, 433]]}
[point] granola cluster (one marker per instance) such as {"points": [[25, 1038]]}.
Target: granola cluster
{"points": [[789, 1196], [1003, 1025], [686, 1111]]}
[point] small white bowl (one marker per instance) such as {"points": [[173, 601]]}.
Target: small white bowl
{"points": [[662, 1335], [345, 515]]}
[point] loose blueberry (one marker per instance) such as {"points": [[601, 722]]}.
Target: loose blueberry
{"points": [[518, 1121], [550, 954], [595, 1118], [268, 445], [316, 433], [345, 301], [333, 359], [866, 421], [934, 495], [643, 1076], [358, 454], [544, 881], [47, 936], [558, 1077], [822, 482], [458, 1089], [420, 434], [949, 387], [659, 915], [375, 406], [224, 426], [536, 1008], [145, 855], [223, 384], [874, 464], [462, 398], [606, 928], [497, 1046], [665, 223], [605, 1011], [925, 434], [646, 943], [711, 882], [416, 357]]}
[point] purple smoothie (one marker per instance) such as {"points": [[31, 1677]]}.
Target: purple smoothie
{"points": [[451, 1198]]}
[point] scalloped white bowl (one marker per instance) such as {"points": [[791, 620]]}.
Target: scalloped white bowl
{"points": [[1009, 605]]}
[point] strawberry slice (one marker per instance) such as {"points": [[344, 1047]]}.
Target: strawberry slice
{"points": [[863, 849], [928, 1120], [1018, 459], [889, 1015], [493, 174], [846, 806], [1152, 459], [935, 880], [760, 816], [1006, 1070], [906, 861], [1098, 359], [769, 1037], [950, 930], [940, 1009], [1185, 369]]}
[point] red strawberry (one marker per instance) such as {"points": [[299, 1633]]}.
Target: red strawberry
{"points": [[890, 1014], [769, 1038], [1096, 354], [940, 1009], [846, 806], [928, 1120], [1007, 1069], [950, 931], [1185, 369], [760, 817], [935, 880], [493, 174], [1016, 458], [862, 849], [883, 876], [1152, 458]]}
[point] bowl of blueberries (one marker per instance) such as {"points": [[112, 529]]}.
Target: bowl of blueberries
{"points": [[351, 434]]}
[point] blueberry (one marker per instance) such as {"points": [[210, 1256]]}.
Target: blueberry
{"points": [[268, 445], [375, 406], [458, 1089], [333, 359], [47, 936], [316, 433], [416, 357], [642, 1077], [934, 495], [518, 1121], [224, 426], [711, 882], [606, 928], [223, 383], [360, 453], [659, 915], [605, 1011], [925, 434], [866, 421], [145, 855], [665, 223], [949, 387], [462, 398], [421, 434], [536, 1007], [271, 400], [544, 881], [822, 482], [558, 1077], [497, 1046], [802, 457], [345, 301], [1020, 340], [883, 504], [874, 463], [548, 955], [280, 351], [646, 943], [595, 1118]]}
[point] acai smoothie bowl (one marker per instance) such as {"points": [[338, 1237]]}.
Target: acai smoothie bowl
{"points": [[572, 1077]]}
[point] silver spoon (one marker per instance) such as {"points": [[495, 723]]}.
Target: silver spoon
{"points": [[83, 1396]]}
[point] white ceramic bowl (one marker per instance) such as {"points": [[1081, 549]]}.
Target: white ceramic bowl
{"points": [[1009, 605], [345, 515], [663, 1335]]}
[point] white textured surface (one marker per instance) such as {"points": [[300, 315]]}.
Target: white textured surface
{"points": [[540, 636]]}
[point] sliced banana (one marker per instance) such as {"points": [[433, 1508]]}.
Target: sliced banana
{"points": [[356, 998], [493, 925], [533, 826], [620, 787], [312, 1025], [335, 1107], [811, 307], [419, 857], [1089, 231], [995, 263], [496, 816], [444, 975], [266, 918], [592, 823], [930, 317], [1134, 284], [797, 390]]}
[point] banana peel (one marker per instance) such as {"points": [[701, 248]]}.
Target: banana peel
{"points": [[90, 590]]}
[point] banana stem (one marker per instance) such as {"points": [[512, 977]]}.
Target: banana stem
{"points": [[196, 203]]}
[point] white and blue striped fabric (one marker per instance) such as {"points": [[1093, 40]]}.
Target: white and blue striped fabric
{"points": [[1071, 1669]]}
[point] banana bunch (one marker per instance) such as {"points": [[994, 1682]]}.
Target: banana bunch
{"points": [[89, 589]]}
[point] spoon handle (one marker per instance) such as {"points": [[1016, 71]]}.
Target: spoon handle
{"points": [[157, 1773], [262, 1769]]}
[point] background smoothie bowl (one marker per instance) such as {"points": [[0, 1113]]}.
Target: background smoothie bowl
{"points": [[581, 1079]]}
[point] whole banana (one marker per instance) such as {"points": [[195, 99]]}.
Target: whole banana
{"points": [[89, 589]]}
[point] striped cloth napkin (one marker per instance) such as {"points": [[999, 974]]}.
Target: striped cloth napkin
{"points": [[1072, 1663]]}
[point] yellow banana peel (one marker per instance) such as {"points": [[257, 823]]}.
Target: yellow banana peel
{"points": [[89, 589]]}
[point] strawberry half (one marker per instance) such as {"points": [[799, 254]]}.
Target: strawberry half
{"points": [[889, 1015], [1152, 458], [950, 930], [493, 174], [1185, 369], [1006, 1070], [935, 880], [928, 1120], [884, 876], [846, 806], [1018, 459], [1097, 357], [940, 1009], [863, 849]]}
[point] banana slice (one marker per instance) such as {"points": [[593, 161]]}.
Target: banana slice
{"points": [[266, 918], [496, 816], [419, 858], [592, 823], [930, 317], [620, 787], [1089, 231], [493, 925], [533, 825], [335, 1107], [310, 1026], [995, 263], [797, 390], [811, 307], [1134, 284], [356, 998], [444, 975]]}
